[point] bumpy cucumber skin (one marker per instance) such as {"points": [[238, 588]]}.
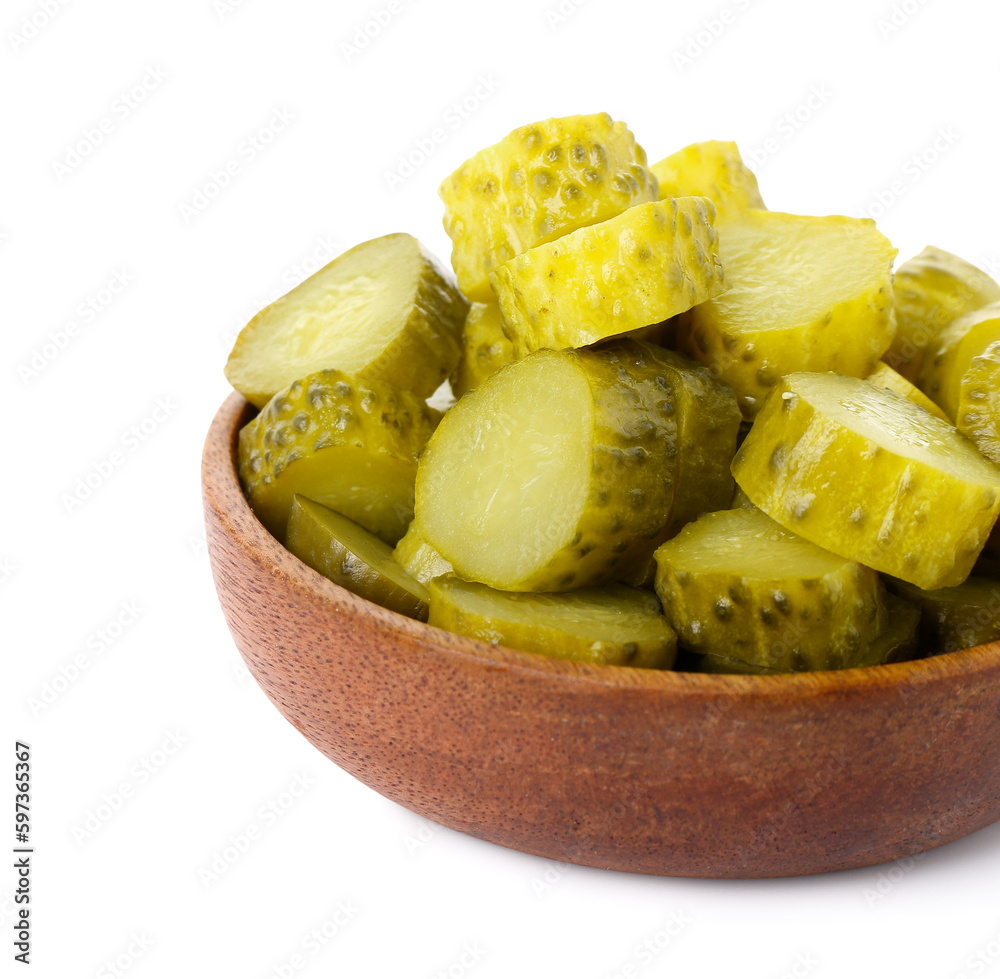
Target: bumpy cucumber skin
{"points": [[897, 643], [707, 434], [979, 402], [849, 338], [960, 372], [713, 169], [485, 348], [783, 624], [708, 422], [320, 414], [930, 291], [428, 348], [809, 474], [423, 354], [956, 618], [885, 377], [662, 257], [630, 492], [542, 181], [367, 569], [950, 353], [447, 612], [418, 558]]}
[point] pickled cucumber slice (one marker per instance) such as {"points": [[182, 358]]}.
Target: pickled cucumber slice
{"points": [[485, 348], [708, 421], [978, 414], [734, 583], [542, 181], [637, 269], [803, 294], [385, 310], [418, 558], [899, 641], [959, 373], [348, 445], [870, 476], [885, 377], [956, 618], [713, 169], [353, 558], [615, 626], [951, 352], [930, 291], [555, 471]]}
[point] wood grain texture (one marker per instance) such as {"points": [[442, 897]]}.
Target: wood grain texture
{"points": [[660, 773]]}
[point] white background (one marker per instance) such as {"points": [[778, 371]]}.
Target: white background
{"points": [[834, 109]]}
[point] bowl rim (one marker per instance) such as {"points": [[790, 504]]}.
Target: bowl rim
{"points": [[223, 493]]}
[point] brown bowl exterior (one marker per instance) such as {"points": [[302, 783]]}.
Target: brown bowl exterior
{"points": [[659, 773]]}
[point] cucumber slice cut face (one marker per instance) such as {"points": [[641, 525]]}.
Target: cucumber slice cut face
{"points": [[870, 476], [802, 294], [662, 257], [353, 558], [385, 310], [735, 584], [348, 445], [615, 626], [555, 471], [885, 377]]}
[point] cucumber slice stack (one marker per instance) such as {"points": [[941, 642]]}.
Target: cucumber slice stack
{"points": [[568, 293], [540, 182], [652, 382]]}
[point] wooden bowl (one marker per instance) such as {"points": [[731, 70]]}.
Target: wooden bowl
{"points": [[660, 773]]}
